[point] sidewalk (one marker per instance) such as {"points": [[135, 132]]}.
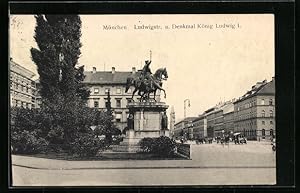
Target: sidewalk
{"points": [[203, 156]]}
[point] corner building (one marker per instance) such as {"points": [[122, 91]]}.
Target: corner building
{"points": [[254, 112]]}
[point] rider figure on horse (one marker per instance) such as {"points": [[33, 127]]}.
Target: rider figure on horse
{"points": [[146, 69], [146, 74], [146, 82]]}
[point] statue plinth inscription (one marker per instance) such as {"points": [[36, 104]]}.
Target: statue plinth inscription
{"points": [[148, 118]]}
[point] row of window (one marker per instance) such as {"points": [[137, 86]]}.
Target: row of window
{"points": [[19, 103], [118, 102], [252, 104], [20, 95], [263, 132], [196, 124], [263, 113], [20, 79], [263, 122], [252, 123], [247, 124], [248, 133], [20, 87], [246, 116], [251, 115], [106, 90]]}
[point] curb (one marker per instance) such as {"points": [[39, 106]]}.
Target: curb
{"points": [[143, 167]]}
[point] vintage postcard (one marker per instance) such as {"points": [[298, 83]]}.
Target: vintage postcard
{"points": [[142, 99]]}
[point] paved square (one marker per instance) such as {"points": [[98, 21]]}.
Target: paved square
{"points": [[211, 164]]}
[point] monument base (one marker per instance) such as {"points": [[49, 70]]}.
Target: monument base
{"points": [[147, 123]]}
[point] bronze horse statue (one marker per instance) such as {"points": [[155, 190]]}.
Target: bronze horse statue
{"points": [[145, 88]]}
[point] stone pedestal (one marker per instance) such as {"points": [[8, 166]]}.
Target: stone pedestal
{"points": [[147, 123]]}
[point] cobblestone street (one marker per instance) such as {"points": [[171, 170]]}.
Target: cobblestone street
{"points": [[211, 164]]}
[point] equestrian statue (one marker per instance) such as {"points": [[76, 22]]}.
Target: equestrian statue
{"points": [[146, 83]]}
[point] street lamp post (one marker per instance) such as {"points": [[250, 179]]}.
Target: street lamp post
{"points": [[186, 100]]}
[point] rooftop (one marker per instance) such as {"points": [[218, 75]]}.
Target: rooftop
{"points": [[261, 88], [20, 69], [187, 119], [106, 77]]}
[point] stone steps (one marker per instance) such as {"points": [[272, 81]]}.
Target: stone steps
{"points": [[126, 148]]}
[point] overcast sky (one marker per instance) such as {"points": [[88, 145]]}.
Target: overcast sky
{"points": [[205, 65]]}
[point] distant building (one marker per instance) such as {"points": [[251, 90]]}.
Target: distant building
{"points": [[184, 128], [114, 82], [210, 116], [220, 119], [254, 112], [228, 114], [200, 127], [224, 121], [22, 87]]}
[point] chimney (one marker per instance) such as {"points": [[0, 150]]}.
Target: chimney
{"points": [[113, 70], [133, 70], [94, 69]]}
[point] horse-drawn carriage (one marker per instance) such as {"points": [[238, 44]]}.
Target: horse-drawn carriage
{"points": [[239, 138], [201, 141], [204, 140]]}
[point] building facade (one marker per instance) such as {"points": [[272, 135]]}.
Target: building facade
{"points": [[184, 128], [22, 87], [178, 129], [200, 127], [218, 122], [210, 116], [224, 118], [228, 122], [219, 119], [254, 112], [114, 82], [252, 115]]}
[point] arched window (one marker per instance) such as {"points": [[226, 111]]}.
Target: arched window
{"points": [[271, 102], [271, 113], [262, 101], [271, 132], [263, 113], [263, 132]]}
